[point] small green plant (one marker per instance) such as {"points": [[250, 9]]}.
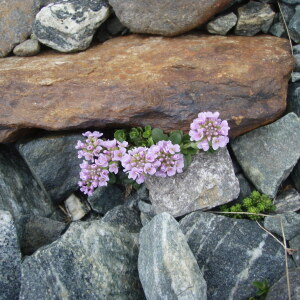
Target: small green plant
{"points": [[256, 203], [262, 290]]}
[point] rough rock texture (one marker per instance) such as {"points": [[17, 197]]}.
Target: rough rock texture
{"points": [[294, 26], [233, 253], [245, 187], [27, 48], [10, 258], [295, 76], [296, 176], [297, 60], [76, 208], [69, 26], [295, 244], [92, 260], [208, 182], [287, 201], [167, 17], [267, 156], [167, 267], [54, 163], [19, 192], [293, 101], [254, 17], [221, 25], [279, 291], [138, 80]]}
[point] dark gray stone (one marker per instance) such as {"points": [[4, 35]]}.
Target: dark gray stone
{"points": [[245, 187], [147, 212], [142, 194], [287, 201], [69, 25], [267, 156], [290, 222], [35, 232], [297, 60], [106, 198], [293, 99], [296, 176], [294, 26], [54, 163], [296, 49], [167, 267], [20, 193], [10, 259], [221, 25], [114, 26], [232, 254], [92, 260], [278, 30], [254, 17], [294, 244], [279, 291], [295, 76], [28, 48], [292, 2]]}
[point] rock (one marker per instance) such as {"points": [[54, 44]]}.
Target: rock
{"points": [[279, 291], [294, 26], [92, 260], [257, 151], [290, 222], [295, 76], [123, 217], [254, 17], [35, 232], [245, 187], [167, 267], [114, 26], [76, 208], [296, 176], [166, 18], [137, 81], [297, 59], [287, 201], [292, 2], [278, 30], [221, 25], [27, 48], [142, 194], [20, 193], [296, 49], [69, 26], [53, 161], [105, 199], [233, 253], [10, 258], [293, 99], [147, 212], [295, 244], [208, 182]]}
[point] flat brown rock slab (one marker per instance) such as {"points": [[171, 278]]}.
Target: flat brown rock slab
{"points": [[158, 81]]}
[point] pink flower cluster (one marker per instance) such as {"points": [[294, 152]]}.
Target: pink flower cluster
{"points": [[101, 157], [162, 159], [209, 131]]}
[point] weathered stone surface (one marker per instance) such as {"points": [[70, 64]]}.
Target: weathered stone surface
{"points": [[10, 258], [296, 176], [245, 187], [114, 26], [294, 26], [295, 244], [254, 17], [296, 49], [208, 182], [76, 208], [293, 100], [27, 48], [287, 201], [137, 80], [167, 17], [69, 26], [279, 291], [221, 25], [54, 163], [167, 267], [233, 253], [92, 260], [267, 156], [147, 212], [295, 76], [292, 2], [297, 60]]}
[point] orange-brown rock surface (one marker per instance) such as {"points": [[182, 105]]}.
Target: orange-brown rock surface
{"points": [[138, 80]]}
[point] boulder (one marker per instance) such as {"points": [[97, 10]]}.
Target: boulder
{"points": [[222, 24], [267, 156], [167, 267], [287, 201], [294, 26], [137, 80], [27, 48], [233, 253], [167, 17], [208, 182]]}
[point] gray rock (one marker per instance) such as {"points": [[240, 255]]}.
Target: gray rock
{"points": [[287, 201], [10, 259], [279, 291], [20, 193], [296, 49], [254, 17], [232, 254], [267, 156], [245, 187], [208, 182], [69, 25], [278, 30], [102, 35], [295, 76], [54, 163], [123, 217], [167, 268], [114, 26], [296, 176], [221, 25], [293, 98], [27, 48], [290, 222], [295, 244], [76, 208], [292, 2], [92, 260], [294, 26], [142, 194], [105, 198], [147, 212], [297, 60], [35, 232]]}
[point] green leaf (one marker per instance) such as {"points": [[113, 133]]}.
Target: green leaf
{"points": [[134, 133], [147, 128], [187, 160], [120, 135], [150, 141], [176, 137], [147, 134], [186, 139], [112, 178], [158, 135]]}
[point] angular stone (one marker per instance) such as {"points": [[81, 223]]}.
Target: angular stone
{"points": [[233, 253], [293, 101], [137, 80], [147, 212], [295, 76], [295, 245], [287, 201], [296, 176], [92, 260], [114, 26], [167, 266], [292, 2], [76, 208], [278, 30], [254, 17], [221, 25], [245, 187], [27, 48], [208, 182], [267, 156], [167, 17], [10, 258], [294, 26], [296, 49], [297, 59], [69, 26]]}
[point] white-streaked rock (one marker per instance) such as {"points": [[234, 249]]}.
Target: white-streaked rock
{"points": [[76, 208]]}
